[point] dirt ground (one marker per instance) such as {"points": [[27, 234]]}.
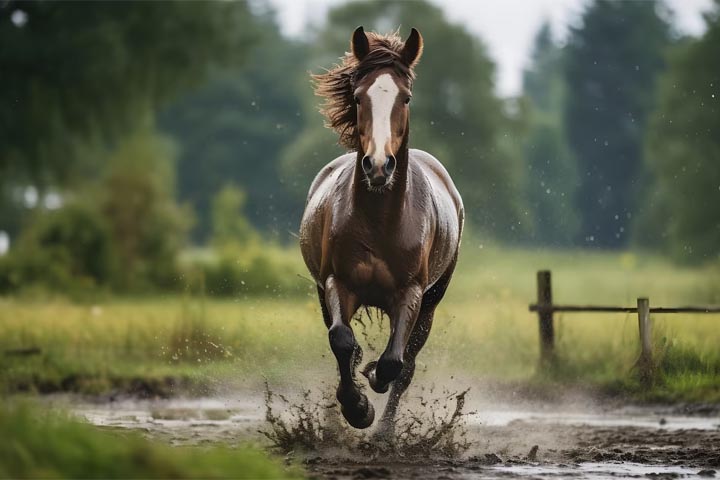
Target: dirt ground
{"points": [[495, 440]]}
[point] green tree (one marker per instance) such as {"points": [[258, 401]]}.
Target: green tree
{"points": [[552, 176], [136, 197], [233, 129], [455, 114], [612, 62], [683, 152], [229, 222], [78, 72]]}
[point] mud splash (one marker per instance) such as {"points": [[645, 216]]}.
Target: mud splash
{"points": [[313, 426]]}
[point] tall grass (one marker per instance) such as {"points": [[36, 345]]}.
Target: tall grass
{"points": [[35, 443], [482, 329]]}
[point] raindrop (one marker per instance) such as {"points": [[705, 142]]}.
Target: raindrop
{"points": [[19, 18]]}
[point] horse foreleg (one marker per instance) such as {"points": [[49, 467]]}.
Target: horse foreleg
{"points": [[339, 306], [402, 320], [419, 336]]}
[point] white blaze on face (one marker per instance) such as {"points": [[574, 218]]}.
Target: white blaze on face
{"points": [[382, 93]]}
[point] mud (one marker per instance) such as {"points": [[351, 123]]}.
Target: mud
{"points": [[493, 441], [436, 427]]}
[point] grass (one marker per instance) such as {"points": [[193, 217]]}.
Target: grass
{"points": [[482, 330], [35, 443]]}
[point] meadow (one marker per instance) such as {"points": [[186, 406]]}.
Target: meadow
{"points": [[196, 344]]}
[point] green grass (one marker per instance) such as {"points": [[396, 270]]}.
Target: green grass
{"points": [[38, 444], [482, 330]]}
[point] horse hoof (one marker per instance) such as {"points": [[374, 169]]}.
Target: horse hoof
{"points": [[388, 370], [370, 372], [360, 416]]}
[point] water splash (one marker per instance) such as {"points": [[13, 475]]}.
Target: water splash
{"points": [[313, 426]]}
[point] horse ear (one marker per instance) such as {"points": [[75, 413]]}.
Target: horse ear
{"points": [[412, 51], [360, 44]]}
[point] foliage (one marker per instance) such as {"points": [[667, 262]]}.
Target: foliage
{"points": [[612, 61], [229, 223], [455, 114], [552, 176], [254, 268], [231, 130], [41, 444], [124, 233], [80, 70], [683, 153], [136, 197], [68, 249]]}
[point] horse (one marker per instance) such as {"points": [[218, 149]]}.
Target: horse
{"points": [[382, 224]]}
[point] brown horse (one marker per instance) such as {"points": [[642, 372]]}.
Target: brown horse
{"points": [[382, 224]]}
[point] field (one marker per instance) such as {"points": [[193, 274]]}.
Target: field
{"points": [[137, 364], [483, 332]]}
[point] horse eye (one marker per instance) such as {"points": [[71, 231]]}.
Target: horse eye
{"points": [[357, 100], [407, 100]]}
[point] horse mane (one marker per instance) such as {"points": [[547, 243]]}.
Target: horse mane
{"points": [[337, 84]]}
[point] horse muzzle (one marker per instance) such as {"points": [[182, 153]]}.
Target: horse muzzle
{"points": [[378, 174]]}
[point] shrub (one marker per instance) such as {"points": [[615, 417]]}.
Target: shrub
{"points": [[148, 227], [67, 249]]}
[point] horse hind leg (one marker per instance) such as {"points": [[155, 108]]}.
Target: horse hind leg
{"points": [[386, 428], [339, 305]]}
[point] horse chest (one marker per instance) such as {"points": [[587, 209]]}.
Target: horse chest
{"points": [[373, 270]]}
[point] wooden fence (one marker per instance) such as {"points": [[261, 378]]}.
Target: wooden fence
{"points": [[546, 309]]}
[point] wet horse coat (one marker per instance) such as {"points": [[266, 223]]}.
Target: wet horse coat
{"points": [[382, 225]]}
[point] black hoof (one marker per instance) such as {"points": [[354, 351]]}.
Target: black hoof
{"points": [[360, 415], [388, 369], [370, 373]]}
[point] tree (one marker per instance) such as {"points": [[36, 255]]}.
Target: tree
{"points": [[74, 72], [229, 222], [233, 128], [136, 197], [612, 62], [455, 114], [552, 175], [683, 152]]}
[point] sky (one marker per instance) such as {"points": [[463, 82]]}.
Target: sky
{"points": [[507, 26]]}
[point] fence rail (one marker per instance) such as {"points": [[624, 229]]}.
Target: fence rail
{"points": [[545, 308], [599, 308]]}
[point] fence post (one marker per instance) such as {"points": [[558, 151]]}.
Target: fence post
{"points": [[545, 317], [645, 363]]}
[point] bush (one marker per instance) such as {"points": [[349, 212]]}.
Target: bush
{"points": [[255, 269], [67, 249], [148, 227]]}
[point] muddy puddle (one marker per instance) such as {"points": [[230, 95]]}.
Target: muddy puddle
{"points": [[503, 441]]}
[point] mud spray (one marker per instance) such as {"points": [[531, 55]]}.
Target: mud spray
{"points": [[432, 425], [313, 426]]}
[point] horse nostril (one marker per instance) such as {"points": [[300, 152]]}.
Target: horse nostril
{"points": [[389, 166], [367, 165]]}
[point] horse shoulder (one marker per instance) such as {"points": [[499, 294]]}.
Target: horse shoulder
{"points": [[430, 164], [319, 208], [449, 213], [326, 172]]}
